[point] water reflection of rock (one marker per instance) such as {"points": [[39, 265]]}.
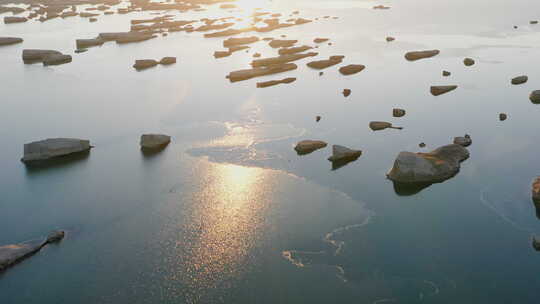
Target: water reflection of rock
{"points": [[57, 163]]}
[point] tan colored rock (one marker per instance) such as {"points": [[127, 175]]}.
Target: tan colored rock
{"points": [[308, 146], [10, 40], [382, 125], [439, 90], [294, 50], [15, 253], [30, 56], [57, 59], [145, 64], [351, 69], [239, 41], [281, 59], [260, 71], [282, 43], [320, 40], [417, 55], [346, 92], [323, 64], [154, 141], [275, 82], [167, 60]]}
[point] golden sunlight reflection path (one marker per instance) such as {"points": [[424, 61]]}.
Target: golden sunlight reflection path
{"points": [[225, 222]]}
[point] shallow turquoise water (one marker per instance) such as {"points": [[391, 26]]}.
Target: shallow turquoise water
{"points": [[210, 219]]}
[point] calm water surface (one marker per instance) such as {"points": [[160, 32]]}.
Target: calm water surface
{"points": [[228, 213]]}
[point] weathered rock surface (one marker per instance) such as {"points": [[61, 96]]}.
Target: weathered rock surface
{"points": [[281, 59], [221, 54], [294, 50], [468, 61], [8, 20], [323, 64], [382, 125], [341, 153], [54, 147], [346, 92], [464, 141], [154, 141], [145, 64], [417, 55], [260, 71], [351, 69], [535, 96], [10, 40], [536, 243], [519, 79], [320, 40], [167, 60], [308, 146], [86, 43], [275, 82], [398, 112], [535, 189], [12, 254], [239, 41], [37, 55], [439, 90], [433, 167], [57, 59], [282, 43]]}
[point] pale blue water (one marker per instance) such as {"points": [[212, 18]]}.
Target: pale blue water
{"points": [[208, 219]]}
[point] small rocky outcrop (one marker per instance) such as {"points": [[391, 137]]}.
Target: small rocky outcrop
{"points": [[464, 141], [503, 116], [294, 50], [417, 55], [10, 40], [270, 83], [239, 41], [342, 155], [307, 146], [346, 92], [439, 90], [468, 61], [143, 64], [260, 71], [535, 96], [9, 20], [382, 125], [535, 189], [398, 112], [390, 39], [31, 56], [167, 60], [53, 148], [323, 64], [519, 80], [433, 167], [154, 141], [351, 69], [57, 59], [15, 253], [276, 43], [281, 59], [320, 40], [86, 43], [536, 243], [446, 73]]}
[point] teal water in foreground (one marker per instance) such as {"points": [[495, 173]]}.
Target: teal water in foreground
{"points": [[228, 213]]}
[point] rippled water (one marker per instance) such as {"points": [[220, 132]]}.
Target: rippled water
{"points": [[228, 213]]}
